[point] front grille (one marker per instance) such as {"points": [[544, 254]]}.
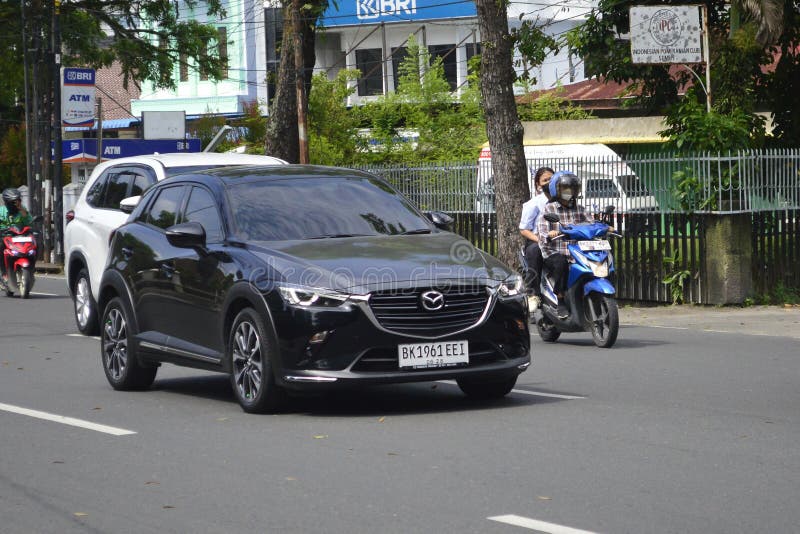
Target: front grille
{"points": [[385, 360], [402, 311]]}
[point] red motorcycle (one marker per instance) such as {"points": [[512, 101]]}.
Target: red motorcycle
{"points": [[19, 256]]}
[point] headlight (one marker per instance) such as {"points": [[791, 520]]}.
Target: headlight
{"points": [[511, 286], [599, 269], [311, 296]]}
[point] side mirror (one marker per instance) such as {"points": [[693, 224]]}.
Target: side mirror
{"points": [[37, 219], [187, 235], [127, 205], [609, 209], [440, 220], [552, 217]]}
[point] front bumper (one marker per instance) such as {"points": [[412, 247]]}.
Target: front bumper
{"points": [[357, 350]]}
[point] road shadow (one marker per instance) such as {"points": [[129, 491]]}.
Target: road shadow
{"points": [[578, 341], [368, 401]]}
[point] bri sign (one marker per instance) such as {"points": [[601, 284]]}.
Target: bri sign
{"points": [[354, 12], [77, 97]]}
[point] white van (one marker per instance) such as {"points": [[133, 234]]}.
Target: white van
{"points": [[605, 178]]}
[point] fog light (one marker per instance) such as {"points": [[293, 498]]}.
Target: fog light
{"points": [[319, 338], [316, 342]]}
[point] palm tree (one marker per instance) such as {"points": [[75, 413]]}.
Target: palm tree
{"points": [[768, 14]]}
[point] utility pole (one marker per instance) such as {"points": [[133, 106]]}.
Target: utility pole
{"points": [[57, 155], [28, 172], [299, 67]]}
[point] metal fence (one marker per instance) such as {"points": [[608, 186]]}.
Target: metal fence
{"points": [[661, 203]]}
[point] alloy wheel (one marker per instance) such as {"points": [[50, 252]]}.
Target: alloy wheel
{"points": [[83, 306], [115, 344], [248, 365]]}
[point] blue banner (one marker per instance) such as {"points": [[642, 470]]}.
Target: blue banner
{"points": [[85, 150], [353, 12]]}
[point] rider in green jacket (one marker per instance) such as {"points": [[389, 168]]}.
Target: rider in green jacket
{"points": [[11, 214]]}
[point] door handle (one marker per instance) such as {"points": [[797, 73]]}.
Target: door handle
{"points": [[127, 252]]}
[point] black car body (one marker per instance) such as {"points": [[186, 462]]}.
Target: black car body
{"points": [[302, 277]]}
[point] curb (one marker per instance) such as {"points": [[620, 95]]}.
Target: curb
{"points": [[49, 268]]}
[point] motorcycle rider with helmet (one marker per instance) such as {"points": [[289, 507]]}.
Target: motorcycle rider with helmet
{"points": [[564, 189], [11, 214]]}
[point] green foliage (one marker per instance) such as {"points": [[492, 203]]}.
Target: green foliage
{"points": [[423, 104], [332, 129], [677, 276], [253, 125], [781, 294], [206, 127], [12, 157], [551, 106], [691, 128], [688, 190]]}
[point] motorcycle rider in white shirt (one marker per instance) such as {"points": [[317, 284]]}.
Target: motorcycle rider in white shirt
{"points": [[531, 211]]}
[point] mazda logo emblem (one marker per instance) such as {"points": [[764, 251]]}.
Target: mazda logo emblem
{"points": [[432, 300]]}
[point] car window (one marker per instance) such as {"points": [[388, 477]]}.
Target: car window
{"points": [[601, 188], [202, 208], [94, 197], [632, 185], [140, 184], [117, 189], [316, 207], [163, 212]]}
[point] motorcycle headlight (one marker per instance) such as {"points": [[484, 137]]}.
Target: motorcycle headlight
{"points": [[599, 269], [511, 286], [312, 296]]}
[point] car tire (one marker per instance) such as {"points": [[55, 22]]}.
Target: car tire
{"points": [[120, 363], [487, 389], [251, 351], [84, 305]]}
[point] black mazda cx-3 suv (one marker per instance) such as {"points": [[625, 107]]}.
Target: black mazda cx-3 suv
{"points": [[302, 277]]}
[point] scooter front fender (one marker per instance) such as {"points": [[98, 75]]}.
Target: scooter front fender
{"points": [[22, 263], [599, 285]]}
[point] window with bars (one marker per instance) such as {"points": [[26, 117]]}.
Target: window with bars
{"points": [[368, 61], [399, 54], [448, 54], [183, 67]]}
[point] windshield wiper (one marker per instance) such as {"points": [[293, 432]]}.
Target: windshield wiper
{"points": [[417, 231], [333, 236]]}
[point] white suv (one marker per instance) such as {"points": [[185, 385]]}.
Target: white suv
{"points": [[97, 213]]}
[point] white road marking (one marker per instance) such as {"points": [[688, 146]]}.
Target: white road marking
{"points": [[658, 326], [526, 392], [45, 294], [87, 337], [533, 524], [114, 431]]}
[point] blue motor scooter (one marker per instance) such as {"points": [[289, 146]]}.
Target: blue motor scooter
{"points": [[590, 295]]}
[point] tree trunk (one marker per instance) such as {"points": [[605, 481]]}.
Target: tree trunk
{"points": [[281, 138], [503, 126]]}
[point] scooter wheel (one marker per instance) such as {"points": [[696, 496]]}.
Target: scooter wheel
{"points": [[24, 282], [603, 316], [547, 331]]}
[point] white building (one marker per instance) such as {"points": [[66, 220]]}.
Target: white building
{"points": [[370, 35]]}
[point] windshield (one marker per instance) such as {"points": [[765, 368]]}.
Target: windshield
{"points": [[321, 207], [632, 185]]}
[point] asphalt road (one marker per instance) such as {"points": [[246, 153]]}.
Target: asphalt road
{"points": [[678, 428]]}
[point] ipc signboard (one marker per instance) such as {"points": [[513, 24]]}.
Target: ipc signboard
{"points": [[666, 34], [77, 97]]}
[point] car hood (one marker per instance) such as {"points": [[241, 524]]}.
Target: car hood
{"points": [[364, 264]]}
